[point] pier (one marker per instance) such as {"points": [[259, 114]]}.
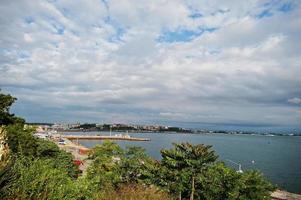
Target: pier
{"points": [[103, 137]]}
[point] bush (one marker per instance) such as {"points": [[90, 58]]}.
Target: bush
{"points": [[254, 186], [61, 158], [136, 192], [25, 178], [218, 182], [21, 140]]}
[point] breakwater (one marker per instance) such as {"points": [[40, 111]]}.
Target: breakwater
{"points": [[103, 137]]}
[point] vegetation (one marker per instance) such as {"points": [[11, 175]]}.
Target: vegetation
{"points": [[38, 169], [25, 178], [6, 101], [189, 160], [137, 192]]}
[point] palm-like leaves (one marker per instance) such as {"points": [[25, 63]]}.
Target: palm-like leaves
{"points": [[188, 156], [189, 160]]}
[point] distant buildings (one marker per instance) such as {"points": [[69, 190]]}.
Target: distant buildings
{"points": [[65, 126], [117, 127]]}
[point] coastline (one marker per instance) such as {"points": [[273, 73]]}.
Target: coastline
{"points": [[184, 133], [102, 137], [78, 151], [74, 149]]}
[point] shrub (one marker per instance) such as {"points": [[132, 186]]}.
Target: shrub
{"points": [[136, 192], [25, 178]]}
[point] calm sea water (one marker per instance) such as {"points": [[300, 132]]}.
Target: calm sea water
{"points": [[277, 157]]}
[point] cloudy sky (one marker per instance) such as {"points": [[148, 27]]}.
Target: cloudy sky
{"points": [[162, 61]]}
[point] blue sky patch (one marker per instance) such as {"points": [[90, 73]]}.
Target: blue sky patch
{"points": [[4, 50], [195, 15], [29, 20], [106, 3], [270, 3], [215, 51], [23, 54], [65, 12], [264, 13], [287, 7], [58, 27], [220, 11], [275, 6], [119, 30], [118, 35], [60, 30], [182, 35], [223, 11]]}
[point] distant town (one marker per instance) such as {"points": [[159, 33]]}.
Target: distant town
{"points": [[88, 127]]}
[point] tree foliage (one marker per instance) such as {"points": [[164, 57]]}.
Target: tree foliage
{"points": [[25, 178], [21, 140], [113, 168], [113, 165], [134, 164], [189, 161], [254, 186], [62, 159], [218, 182], [6, 100]]}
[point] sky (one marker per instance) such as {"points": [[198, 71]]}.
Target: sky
{"points": [[227, 62]]}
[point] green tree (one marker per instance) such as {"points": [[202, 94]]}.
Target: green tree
{"points": [[219, 182], [190, 171], [46, 149], [21, 140], [113, 166], [105, 169], [254, 186], [25, 178], [61, 158], [6, 118], [107, 149], [189, 161], [133, 164], [174, 181]]}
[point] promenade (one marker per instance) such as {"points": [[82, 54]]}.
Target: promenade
{"points": [[80, 152], [75, 150], [103, 137]]}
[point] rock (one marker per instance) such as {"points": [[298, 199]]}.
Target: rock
{"points": [[283, 195]]}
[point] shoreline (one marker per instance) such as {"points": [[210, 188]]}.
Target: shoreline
{"points": [[284, 195], [78, 151], [74, 149], [182, 133], [102, 137]]}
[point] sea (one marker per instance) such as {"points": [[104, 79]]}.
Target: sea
{"points": [[277, 157]]}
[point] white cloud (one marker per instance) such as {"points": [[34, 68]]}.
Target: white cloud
{"points": [[102, 60], [294, 100]]}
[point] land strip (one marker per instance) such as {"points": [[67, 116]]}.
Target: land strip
{"points": [[102, 137]]}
